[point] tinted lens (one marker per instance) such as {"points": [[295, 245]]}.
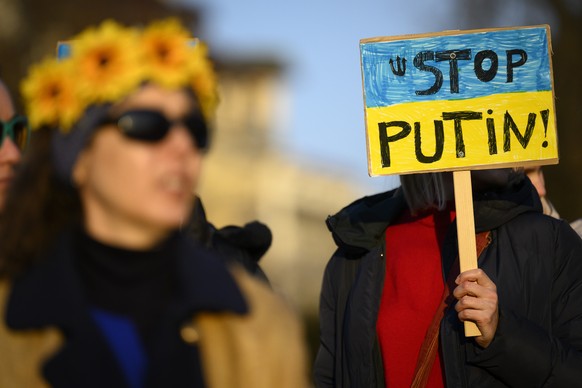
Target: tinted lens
{"points": [[144, 125], [20, 132], [17, 129], [152, 126], [198, 129]]}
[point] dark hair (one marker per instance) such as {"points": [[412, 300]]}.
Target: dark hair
{"points": [[37, 208], [424, 191]]}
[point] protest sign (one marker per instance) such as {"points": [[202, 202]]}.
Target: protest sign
{"points": [[459, 101]]}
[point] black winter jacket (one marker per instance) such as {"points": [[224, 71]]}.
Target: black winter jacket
{"points": [[245, 245], [534, 260]]}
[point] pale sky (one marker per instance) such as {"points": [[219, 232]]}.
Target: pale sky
{"points": [[318, 42]]}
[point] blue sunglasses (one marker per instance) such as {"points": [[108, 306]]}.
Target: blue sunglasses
{"points": [[17, 130]]}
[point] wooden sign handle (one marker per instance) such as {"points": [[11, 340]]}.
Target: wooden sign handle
{"points": [[465, 231]]}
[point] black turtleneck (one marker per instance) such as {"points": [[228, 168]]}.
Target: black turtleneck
{"points": [[136, 284]]}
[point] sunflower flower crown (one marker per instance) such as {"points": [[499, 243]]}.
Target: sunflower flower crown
{"points": [[109, 62]]}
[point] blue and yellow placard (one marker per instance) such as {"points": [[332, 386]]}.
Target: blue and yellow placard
{"points": [[459, 100]]}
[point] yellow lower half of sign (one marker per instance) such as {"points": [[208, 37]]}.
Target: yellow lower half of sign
{"points": [[501, 130]]}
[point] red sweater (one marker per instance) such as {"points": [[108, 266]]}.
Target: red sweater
{"points": [[412, 292]]}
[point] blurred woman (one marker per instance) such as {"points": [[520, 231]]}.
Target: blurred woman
{"points": [[99, 287], [536, 176], [13, 141]]}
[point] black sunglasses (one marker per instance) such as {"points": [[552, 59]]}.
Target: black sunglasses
{"points": [[152, 126], [17, 130]]}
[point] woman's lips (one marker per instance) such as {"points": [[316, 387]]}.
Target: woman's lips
{"points": [[177, 184]]}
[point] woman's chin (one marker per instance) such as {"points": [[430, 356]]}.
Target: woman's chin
{"points": [[171, 219]]}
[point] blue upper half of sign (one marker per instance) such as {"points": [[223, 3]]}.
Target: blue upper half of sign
{"points": [[471, 65]]}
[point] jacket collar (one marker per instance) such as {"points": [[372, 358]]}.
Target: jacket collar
{"points": [[495, 208], [360, 226], [50, 293]]}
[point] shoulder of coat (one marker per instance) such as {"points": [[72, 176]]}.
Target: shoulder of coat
{"points": [[263, 348], [24, 351]]}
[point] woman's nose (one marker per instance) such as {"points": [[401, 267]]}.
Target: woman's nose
{"points": [[9, 152], [180, 139]]}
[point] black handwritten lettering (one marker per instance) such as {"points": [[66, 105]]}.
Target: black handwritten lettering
{"points": [[509, 124], [515, 58], [545, 116], [458, 117], [491, 139], [400, 66], [489, 74], [424, 156], [453, 56], [385, 139], [439, 135], [438, 75], [511, 65]]}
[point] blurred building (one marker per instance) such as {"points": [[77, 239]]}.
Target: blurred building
{"points": [[248, 177]]}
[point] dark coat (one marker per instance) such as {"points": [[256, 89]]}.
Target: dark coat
{"points": [[534, 260], [223, 327], [245, 245], [51, 294]]}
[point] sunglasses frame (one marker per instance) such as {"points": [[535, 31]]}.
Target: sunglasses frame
{"points": [[8, 130], [129, 122]]}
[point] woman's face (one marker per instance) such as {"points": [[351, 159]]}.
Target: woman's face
{"points": [[130, 186], [9, 152], [536, 176]]}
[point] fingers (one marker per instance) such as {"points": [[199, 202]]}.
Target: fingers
{"points": [[477, 309], [475, 275], [474, 291], [477, 301]]}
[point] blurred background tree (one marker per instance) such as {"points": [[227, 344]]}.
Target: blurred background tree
{"points": [[29, 29], [563, 181]]}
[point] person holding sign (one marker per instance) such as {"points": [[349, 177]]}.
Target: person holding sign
{"points": [[99, 287], [393, 302], [482, 291]]}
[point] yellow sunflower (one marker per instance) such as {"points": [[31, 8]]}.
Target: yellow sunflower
{"points": [[204, 81], [167, 53], [50, 95], [107, 62]]}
